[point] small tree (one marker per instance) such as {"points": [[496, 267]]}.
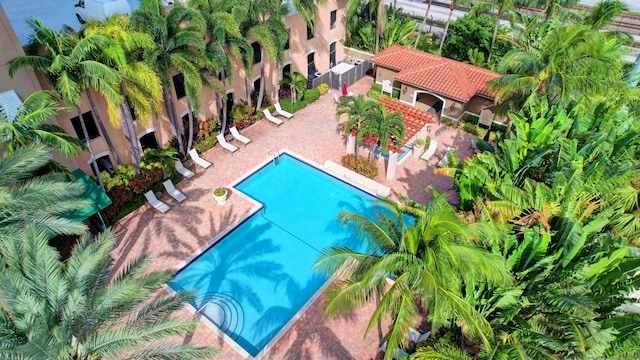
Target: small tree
{"points": [[297, 82]]}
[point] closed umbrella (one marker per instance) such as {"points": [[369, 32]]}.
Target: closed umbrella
{"points": [[344, 89]]}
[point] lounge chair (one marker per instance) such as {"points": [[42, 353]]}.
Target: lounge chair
{"points": [[198, 160], [336, 98], [157, 204], [236, 135], [284, 113], [268, 116], [433, 145], [445, 159], [172, 191], [183, 170], [486, 118], [397, 354], [225, 144]]}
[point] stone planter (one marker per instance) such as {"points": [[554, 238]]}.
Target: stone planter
{"points": [[417, 150], [220, 199]]}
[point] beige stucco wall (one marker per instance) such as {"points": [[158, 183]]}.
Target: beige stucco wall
{"points": [[24, 82], [479, 103]]}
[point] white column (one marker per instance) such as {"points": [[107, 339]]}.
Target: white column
{"points": [[351, 144], [391, 167]]}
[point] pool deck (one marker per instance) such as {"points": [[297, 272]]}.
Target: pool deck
{"points": [[314, 133]]}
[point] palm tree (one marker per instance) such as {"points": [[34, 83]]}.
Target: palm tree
{"points": [[568, 63], [31, 126], [37, 201], [452, 6], [76, 312], [424, 23], [298, 83], [70, 70], [179, 35], [139, 85], [603, 13], [382, 127], [431, 261], [356, 108], [503, 8]]}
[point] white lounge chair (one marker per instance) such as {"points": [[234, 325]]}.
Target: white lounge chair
{"points": [[198, 160], [173, 192], [225, 144], [284, 113], [268, 116], [336, 98], [183, 170], [157, 204], [236, 135], [397, 354], [433, 145], [445, 159]]}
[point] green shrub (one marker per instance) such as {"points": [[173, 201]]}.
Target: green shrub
{"points": [[470, 128], [427, 141], [363, 166], [207, 143], [240, 112], [142, 182], [311, 95], [123, 174], [286, 105], [323, 88]]}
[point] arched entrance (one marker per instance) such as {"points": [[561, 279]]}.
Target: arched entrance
{"points": [[428, 101]]}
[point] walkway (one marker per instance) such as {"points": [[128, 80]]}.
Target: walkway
{"points": [[314, 133]]}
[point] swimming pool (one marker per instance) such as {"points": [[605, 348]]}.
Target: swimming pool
{"points": [[254, 280]]}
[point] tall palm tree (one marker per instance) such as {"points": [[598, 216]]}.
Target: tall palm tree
{"points": [[452, 6], [139, 85], [70, 70], [382, 127], [32, 200], [31, 126], [424, 23], [502, 8], [431, 261], [179, 35], [75, 311], [356, 108]]}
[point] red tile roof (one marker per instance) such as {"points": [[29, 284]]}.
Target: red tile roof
{"points": [[448, 77], [414, 119]]}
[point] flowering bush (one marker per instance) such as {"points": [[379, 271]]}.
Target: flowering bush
{"points": [[206, 128], [142, 182], [323, 88], [363, 166]]}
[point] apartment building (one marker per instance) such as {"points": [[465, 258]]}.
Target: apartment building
{"points": [[309, 52]]}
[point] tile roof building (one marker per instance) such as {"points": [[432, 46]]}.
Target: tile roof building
{"points": [[441, 86]]}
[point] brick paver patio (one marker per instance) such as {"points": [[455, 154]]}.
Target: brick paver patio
{"points": [[314, 133]]}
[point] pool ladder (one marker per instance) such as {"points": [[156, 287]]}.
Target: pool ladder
{"points": [[274, 152]]}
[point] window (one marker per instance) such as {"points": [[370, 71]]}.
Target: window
{"points": [[309, 32], [256, 90], [178, 84], [286, 70], [104, 164], [332, 20], [229, 107], [185, 124], [256, 52], [89, 123], [332, 54], [311, 66], [286, 44], [148, 141]]}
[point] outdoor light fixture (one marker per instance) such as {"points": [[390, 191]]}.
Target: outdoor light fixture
{"points": [[404, 89]]}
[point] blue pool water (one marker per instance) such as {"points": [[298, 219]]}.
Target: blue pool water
{"points": [[405, 148], [255, 279]]}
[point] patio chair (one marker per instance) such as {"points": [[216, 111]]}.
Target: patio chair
{"points": [[445, 159], [336, 98], [173, 192], [157, 204], [399, 353], [225, 144], [183, 170], [284, 113], [486, 118], [268, 116], [433, 145], [236, 135], [198, 160]]}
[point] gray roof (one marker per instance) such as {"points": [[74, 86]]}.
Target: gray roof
{"points": [[52, 13]]}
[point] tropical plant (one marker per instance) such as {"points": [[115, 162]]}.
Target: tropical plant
{"points": [[382, 128], [139, 85], [70, 70], [363, 29], [356, 108], [166, 158], [468, 33], [39, 201], [76, 310], [179, 35], [431, 260], [503, 8], [424, 23], [30, 126], [297, 83], [452, 6]]}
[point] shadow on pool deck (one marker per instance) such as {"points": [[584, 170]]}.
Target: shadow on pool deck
{"points": [[314, 133]]}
